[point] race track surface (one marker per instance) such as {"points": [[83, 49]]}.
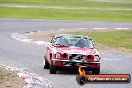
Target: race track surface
{"points": [[29, 57]]}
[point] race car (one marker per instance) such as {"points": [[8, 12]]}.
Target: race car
{"points": [[68, 51]]}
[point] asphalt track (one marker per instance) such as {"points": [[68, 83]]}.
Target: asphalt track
{"points": [[29, 57]]}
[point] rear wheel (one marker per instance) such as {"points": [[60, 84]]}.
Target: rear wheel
{"points": [[47, 65], [52, 69]]}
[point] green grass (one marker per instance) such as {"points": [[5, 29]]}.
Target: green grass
{"points": [[117, 39], [61, 14], [126, 1], [4, 75], [74, 3], [84, 13]]}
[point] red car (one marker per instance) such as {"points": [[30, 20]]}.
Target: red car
{"points": [[71, 51]]}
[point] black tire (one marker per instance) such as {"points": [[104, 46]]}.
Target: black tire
{"points": [[96, 71], [81, 80], [52, 69], [47, 65]]}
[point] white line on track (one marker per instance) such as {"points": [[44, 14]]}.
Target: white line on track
{"points": [[61, 29], [121, 28], [40, 42], [23, 38], [82, 28], [111, 59], [99, 28]]}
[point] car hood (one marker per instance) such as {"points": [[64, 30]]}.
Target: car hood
{"points": [[76, 50]]}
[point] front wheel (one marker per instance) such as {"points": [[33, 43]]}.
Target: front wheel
{"points": [[46, 65], [52, 69]]}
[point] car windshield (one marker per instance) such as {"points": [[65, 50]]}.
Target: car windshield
{"points": [[73, 41]]}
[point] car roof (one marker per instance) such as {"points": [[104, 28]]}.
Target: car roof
{"points": [[62, 35]]}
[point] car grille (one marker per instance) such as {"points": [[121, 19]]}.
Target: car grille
{"points": [[77, 57]]}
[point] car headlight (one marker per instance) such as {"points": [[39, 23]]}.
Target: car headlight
{"points": [[96, 58], [58, 55]]}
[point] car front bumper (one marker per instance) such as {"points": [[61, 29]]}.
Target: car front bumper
{"points": [[74, 63]]}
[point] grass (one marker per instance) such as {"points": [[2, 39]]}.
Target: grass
{"points": [[9, 79], [116, 39], [71, 3], [4, 75], [61, 14], [89, 10], [126, 1]]}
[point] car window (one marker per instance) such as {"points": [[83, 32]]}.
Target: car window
{"points": [[60, 42], [73, 41]]}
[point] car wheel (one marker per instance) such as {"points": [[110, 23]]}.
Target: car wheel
{"points": [[96, 71], [47, 65], [52, 69], [81, 79]]}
